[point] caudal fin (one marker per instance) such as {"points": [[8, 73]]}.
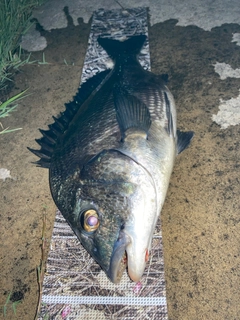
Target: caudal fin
{"points": [[117, 48]]}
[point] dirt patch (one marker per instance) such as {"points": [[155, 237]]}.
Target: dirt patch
{"points": [[201, 214]]}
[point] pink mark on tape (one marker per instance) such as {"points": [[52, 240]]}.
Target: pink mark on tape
{"points": [[137, 287], [66, 311]]}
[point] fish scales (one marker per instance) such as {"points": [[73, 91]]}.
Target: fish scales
{"points": [[110, 156]]}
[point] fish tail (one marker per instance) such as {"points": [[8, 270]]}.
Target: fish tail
{"points": [[116, 48]]}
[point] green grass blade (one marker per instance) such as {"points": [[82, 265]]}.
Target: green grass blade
{"points": [[15, 98], [11, 130], [6, 108]]}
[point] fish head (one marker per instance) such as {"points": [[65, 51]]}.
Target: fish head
{"points": [[115, 214]]}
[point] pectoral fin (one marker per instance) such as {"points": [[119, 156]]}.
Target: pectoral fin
{"points": [[131, 112], [183, 140]]}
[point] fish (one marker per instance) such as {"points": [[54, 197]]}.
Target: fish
{"points": [[110, 156]]}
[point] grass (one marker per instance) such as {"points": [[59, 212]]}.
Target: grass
{"points": [[15, 18], [43, 60], [7, 107], [13, 304]]}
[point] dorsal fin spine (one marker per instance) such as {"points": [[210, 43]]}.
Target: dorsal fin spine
{"points": [[61, 124]]}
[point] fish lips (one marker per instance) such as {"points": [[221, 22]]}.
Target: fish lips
{"points": [[119, 259], [123, 256]]}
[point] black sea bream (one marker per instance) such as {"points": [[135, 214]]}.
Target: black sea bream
{"points": [[110, 156]]}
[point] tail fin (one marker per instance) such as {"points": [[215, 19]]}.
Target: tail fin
{"points": [[117, 48]]}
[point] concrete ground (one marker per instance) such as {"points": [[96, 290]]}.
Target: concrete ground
{"points": [[197, 44]]}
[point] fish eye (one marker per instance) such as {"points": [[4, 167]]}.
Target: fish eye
{"points": [[90, 220]]}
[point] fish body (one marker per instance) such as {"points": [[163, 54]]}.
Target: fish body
{"points": [[110, 156]]}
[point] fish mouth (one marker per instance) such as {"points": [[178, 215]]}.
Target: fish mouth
{"points": [[123, 256], [118, 261]]}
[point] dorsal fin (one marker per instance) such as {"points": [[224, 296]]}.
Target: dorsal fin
{"points": [[60, 125]]}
